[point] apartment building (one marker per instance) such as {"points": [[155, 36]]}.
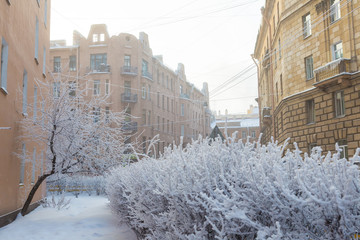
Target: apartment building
{"points": [[246, 126], [308, 73], [25, 39], [160, 100]]}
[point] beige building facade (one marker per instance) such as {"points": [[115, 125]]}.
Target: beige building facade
{"points": [[25, 40], [160, 100], [308, 73]]}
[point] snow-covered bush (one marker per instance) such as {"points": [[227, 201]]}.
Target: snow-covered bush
{"points": [[59, 202], [216, 190]]}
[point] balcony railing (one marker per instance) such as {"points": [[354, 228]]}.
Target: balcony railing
{"points": [[332, 69], [147, 75], [129, 126], [99, 69], [184, 95], [129, 70], [129, 98]]}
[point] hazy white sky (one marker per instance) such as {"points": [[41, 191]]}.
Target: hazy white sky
{"points": [[212, 38]]}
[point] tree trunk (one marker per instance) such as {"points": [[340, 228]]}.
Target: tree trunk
{"points": [[31, 195]]}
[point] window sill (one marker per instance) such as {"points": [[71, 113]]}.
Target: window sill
{"points": [[340, 116], [335, 21], [310, 79], [306, 37], [36, 60], [21, 184], [310, 123], [4, 91]]}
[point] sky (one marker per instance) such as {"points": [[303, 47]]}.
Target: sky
{"points": [[212, 38]]}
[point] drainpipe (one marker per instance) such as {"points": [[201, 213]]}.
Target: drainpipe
{"points": [[271, 72]]}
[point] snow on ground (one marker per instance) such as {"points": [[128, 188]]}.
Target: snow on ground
{"points": [[88, 218]]}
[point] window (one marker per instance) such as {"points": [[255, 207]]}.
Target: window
{"points": [[253, 134], [72, 63], [163, 102], [167, 126], [337, 51], [37, 39], [278, 12], [310, 111], [167, 82], [145, 68], [149, 91], [107, 113], [127, 88], [344, 149], [42, 164], [33, 166], [243, 134], [182, 109], [277, 92], [35, 103], [281, 85], [275, 58], [279, 49], [306, 25], [72, 88], [45, 13], [57, 64], [309, 68], [24, 93], [143, 92], [4, 63], [107, 87], [102, 37], [144, 116], [339, 104], [56, 89], [167, 104], [95, 37], [149, 117], [163, 124], [96, 113], [158, 76], [182, 130], [22, 164], [158, 122], [98, 62], [334, 10], [44, 61], [127, 60], [172, 84], [181, 89], [158, 99], [310, 147], [144, 144], [96, 87]]}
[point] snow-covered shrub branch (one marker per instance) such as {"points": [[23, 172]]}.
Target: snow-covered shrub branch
{"points": [[213, 190]]}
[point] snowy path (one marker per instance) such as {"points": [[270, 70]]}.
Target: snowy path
{"points": [[87, 218]]}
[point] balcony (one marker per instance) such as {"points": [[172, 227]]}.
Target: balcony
{"points": [[129, 126], [129, 70], [333, 73], [102, 68], [129, 98], [184, 95], [147, 75]]}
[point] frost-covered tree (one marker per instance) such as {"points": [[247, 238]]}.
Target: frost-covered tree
{"points": [[78, 130]]}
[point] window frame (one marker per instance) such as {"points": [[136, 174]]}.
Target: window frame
{"points": [[335, 51], [306, 25], [335, 11], [96, 89], [309, 67], [310, 111], [57, 64], [339, 104], [4, 65]]}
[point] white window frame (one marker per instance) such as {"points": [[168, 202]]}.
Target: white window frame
{"points": [[243, 134], [253, 134], [337, 50], [102, 37], [182, 130], [182, 109], [339, 103], [95, 37], [57, 64], [56, 89], [306, 25], [96, 91], [309, 67], [344, 147], [72, 63], [4, 64], [107, 87], [143, 92], [335, 13]]}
